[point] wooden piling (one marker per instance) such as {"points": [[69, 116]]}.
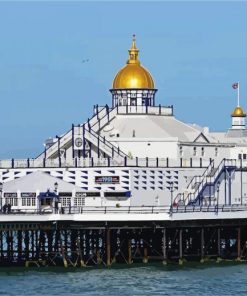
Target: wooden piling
{"points": [[238, 244], [108, 247]]}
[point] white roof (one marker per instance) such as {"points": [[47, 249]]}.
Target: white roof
{"points": [[150, 126], [38, 181]]}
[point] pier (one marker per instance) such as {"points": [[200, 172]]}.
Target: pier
{"points": [[168, 236]]}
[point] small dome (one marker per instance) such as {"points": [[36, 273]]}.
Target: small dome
{"points": [[238, 112], [133, 75]]}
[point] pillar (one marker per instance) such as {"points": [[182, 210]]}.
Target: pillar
{"points": [[108, 247], [129, 252], [219, 245], [202, 245], [238, 244], [180, 247], [164, 247]]}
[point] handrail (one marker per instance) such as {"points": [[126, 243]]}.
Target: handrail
{"points": [[47, 150], [92, 209], [210, 178], [70, 210], [107, 143], [107, 114], [210, 166], [204, 180]]}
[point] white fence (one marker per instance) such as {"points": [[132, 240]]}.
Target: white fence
{"points": [[104, 162]]}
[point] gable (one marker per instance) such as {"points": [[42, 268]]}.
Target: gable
{"points": [[37, 181], [201, 138]]}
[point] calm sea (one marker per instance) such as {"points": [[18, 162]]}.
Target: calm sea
{"points": [[210, 280]]}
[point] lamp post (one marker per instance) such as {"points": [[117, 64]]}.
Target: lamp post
{"points": [[171, 190], [55, 187], [1, 195], [218, 191], [55, 200]]}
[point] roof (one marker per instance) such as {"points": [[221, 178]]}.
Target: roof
{"points": [[150, 127], [38, 181]]}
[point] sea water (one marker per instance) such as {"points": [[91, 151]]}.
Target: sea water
{"points": [[216, 279]]}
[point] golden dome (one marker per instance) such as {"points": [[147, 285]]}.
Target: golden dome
{"points": [[133, 75], [238, 112]]}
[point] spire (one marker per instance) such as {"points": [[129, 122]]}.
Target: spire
{"points": [[133, 52]]}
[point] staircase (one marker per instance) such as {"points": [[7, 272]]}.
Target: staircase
{"points": [[211, 175], [92, 126]]}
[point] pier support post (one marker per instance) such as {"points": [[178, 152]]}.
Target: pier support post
{"points": [[180, 247], [108, 247], [129, 252], [164, 247], [145, 257], [202, 246], [219, 246], [238, 244]]}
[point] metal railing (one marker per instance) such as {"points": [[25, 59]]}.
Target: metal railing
{"points": [[192, 192], [116, 161], [130, 210], [209, 208], [92, 210], [151, 110]]}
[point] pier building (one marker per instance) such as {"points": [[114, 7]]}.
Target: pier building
{"points": [[132, 182]]}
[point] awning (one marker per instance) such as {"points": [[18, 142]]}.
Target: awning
{"points": [[48, 194]]}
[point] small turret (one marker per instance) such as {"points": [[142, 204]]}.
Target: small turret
{"points": [[238, 118]]}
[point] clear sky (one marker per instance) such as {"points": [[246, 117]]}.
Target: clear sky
{"points": [[194, 50]]}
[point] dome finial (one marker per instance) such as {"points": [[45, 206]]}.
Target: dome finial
{"points": [[133, 42], [133, 52]]}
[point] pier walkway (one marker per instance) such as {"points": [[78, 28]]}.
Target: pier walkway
{"points": [[165, 213]]}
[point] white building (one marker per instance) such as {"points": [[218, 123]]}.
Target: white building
{"points": [[134, 153]]}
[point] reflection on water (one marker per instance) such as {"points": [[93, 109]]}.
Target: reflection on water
{"points": [[221, 279]]}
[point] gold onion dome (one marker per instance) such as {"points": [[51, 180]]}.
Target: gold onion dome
{"points": [[238, 112], [133, 75]]}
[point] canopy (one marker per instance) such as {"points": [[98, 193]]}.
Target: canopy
{"points": [[48, 194]]}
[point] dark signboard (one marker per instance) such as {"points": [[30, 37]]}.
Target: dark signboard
{"points": [[10, 194], [86, 194], [107, 180], [28, 194], [117, 194], [65, 194]]}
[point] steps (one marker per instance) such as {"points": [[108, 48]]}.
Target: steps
{"points": [[198, 183]]}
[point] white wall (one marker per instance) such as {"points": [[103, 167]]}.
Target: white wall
{"points": [[151, 148]]}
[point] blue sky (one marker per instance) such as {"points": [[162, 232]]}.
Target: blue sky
{"points": [[194, 50]]}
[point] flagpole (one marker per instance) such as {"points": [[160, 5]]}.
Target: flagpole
{"points": [[238, 93]]}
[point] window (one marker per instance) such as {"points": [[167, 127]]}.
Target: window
{"points": [[239, 156], [194, 151], [66, 201], [181, 151], [244, 156], [203, 151], [28, 201], [11, 200], [216, 151], [79, 201]]}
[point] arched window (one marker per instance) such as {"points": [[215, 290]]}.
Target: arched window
{"points": [[194, 151], [203, 152]]}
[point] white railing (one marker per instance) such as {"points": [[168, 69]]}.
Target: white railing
{"points": [[145, 110], [94, 162], [137, 210]]}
